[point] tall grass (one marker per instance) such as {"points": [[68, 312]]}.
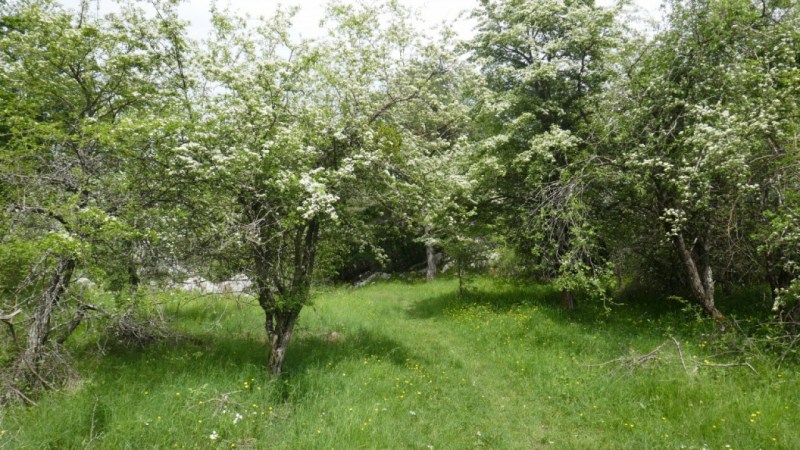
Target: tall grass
{"points": [[414, 365]]}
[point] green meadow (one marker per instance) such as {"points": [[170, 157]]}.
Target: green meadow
{"points": [[415, 365]]}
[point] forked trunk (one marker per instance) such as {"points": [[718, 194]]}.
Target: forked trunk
{"points": [[279, 331], [280, 301], [700, 276]]}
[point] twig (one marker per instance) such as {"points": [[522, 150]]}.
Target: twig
{"points": [[9, 316], [632, 360], [91, 427], [80, 313], [644, 358], [6, 319], [619, 360], [23, 396], [729, 352], [680, 353], [222, 399], [746, 364], [788, 350], [33, 371]]}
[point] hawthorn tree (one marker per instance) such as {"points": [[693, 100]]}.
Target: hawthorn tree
{"points": [[86, 99], [706, 121], [544, 62], [297, 140]]}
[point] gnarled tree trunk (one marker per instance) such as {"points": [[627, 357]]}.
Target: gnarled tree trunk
{"points": [[567, 300], [280, 326], [430, 254], [39, 331]]}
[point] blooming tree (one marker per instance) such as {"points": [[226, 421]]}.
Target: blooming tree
{"points": [[706, 121], [544, 63], [299, 138]]}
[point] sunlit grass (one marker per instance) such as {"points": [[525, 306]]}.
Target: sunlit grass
{"points": [[415, 366]]}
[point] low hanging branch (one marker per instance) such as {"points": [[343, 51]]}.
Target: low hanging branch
{"points": [[80, 313], [6, 319]]}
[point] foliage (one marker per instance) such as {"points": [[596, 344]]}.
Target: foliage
{"points": [[302, 141], [699, 132], [86, 101], [544, 62]]}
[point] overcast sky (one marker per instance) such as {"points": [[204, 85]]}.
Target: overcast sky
{"points": [[432, 12]]}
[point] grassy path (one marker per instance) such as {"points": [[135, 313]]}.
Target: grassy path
{"points": [[415, 366]]}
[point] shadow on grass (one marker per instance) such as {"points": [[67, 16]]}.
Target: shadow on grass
{"points": [[208, 307], [311, 356], [201, 354], [632, 316], [315, 350], [501, 299]]}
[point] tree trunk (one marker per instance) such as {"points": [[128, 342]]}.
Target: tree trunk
{"points": [[279, 325], [567, 300], [133, 277], [279, 331], [792, 317], [430, 254], [777, 277], [460, 272], [282, 303], [431, 257], [701, 279], [39, 331]]}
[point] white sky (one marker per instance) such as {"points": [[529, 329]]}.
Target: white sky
{"points": [[432, 12]]}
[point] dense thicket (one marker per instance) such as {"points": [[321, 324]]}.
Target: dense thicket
{"points": [[557, 144]]}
